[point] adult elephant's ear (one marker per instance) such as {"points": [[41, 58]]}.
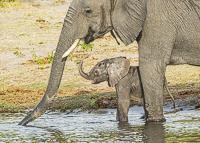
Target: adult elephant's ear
{"points": [[117, 69], [128, 17]]}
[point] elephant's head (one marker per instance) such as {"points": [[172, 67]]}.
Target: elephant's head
{"points": [[111, 70], [89, 20]]}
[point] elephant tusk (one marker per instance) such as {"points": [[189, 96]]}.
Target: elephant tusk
{"points": [[71, 48]]}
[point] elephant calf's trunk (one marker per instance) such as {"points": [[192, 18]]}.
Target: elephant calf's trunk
{"points": [[84, 75]]}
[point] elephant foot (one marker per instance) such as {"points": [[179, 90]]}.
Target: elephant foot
{"points": [[143, 117], [156, 120], [122, 119]]}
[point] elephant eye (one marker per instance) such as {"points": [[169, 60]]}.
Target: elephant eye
{"points": [[88, 10], [100, 64]]}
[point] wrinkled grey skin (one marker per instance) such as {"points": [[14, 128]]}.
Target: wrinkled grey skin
{"points": [[167, 32], [126, 79]]}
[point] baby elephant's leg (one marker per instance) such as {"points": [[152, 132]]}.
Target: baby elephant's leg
{"points": [[123, 103]]}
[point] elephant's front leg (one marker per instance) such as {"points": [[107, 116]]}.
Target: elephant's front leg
{"points": [[123, 102]]}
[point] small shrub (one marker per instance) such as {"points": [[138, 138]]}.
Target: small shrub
{"points": [[86, 47], [70, 57], [42, 61], [2, 2], [93, 103], [50, 57], [18, 54], [34, 56]]}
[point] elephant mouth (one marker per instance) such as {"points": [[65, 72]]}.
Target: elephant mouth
{"points": [[92, 35], [95, 82], [89, 38]]}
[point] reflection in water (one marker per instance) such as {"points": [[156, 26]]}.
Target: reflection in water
{"points": [[130, 133], [154, 132], [148, 133], [101, 126], [56, 134]]}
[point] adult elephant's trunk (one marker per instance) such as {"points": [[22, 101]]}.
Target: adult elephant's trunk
{"points": [[65, 41], [84, 75]]}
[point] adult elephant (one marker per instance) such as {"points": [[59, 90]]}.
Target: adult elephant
{"points": [[167, 31]]}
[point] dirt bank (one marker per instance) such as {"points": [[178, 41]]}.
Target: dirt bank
{"points": [[183, 97]]}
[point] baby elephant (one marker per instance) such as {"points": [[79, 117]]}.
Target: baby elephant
{"points": [[118, 73]]}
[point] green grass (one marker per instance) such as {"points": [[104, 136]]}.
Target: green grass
{"points": [[182, 137], [11, 108], [6, 107], [70, 85], [34, 86], [7, 77], [85, 101], [43, 85]]}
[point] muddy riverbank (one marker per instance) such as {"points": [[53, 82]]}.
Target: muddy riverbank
{"points": [[21, 100], [109, 101]]}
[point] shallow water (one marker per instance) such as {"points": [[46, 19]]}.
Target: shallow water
{"points": [[101, 126]]}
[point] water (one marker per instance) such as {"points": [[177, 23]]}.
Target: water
{"points": [[101, 126]]}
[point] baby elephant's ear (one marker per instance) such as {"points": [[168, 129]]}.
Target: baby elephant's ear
{"points": [[117, 69]]}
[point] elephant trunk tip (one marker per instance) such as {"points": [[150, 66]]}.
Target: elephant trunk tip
{"points": [[27, 119], [38, 111]]}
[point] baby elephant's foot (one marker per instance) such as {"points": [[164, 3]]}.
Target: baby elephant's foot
{"points": [[143, 117]]}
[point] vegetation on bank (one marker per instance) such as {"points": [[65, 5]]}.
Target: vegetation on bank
{"points": [[10, 3], [67, 103], [84, 100]]}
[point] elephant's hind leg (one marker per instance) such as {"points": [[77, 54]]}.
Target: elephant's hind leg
{"points": [[154, 54], [152, 83]]}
